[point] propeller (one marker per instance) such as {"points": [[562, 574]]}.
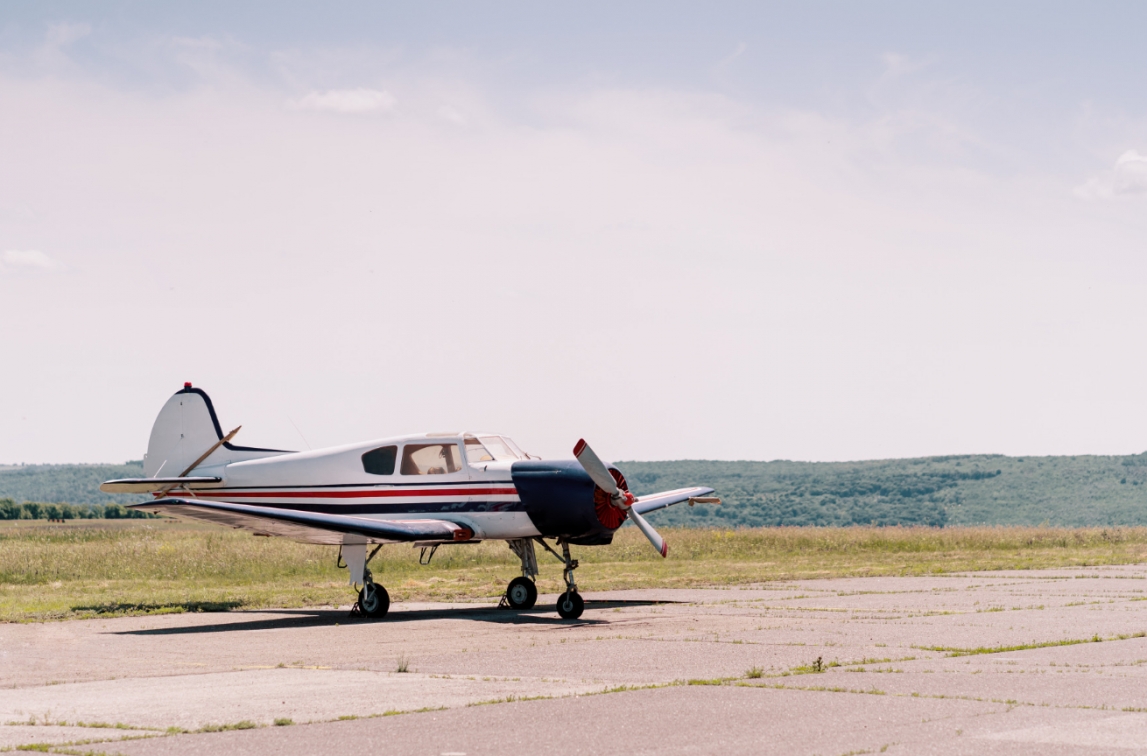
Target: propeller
{"points": [[623, 500]]}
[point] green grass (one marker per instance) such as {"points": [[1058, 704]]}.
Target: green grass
{"points": [[97, 568], [956, 651], [246, 724]]}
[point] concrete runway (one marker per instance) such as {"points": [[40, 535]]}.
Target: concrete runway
{"points": [[660, 671]]}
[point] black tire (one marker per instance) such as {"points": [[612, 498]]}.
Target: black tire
{"points": [[374, 601], [570, 605], [521, 593]]}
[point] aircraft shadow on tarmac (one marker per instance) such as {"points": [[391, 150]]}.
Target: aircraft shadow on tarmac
{"points": [[300, 618]]}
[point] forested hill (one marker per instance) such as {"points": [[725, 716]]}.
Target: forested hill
{"points": [[959, 490], [977, 489], [69, 484]]}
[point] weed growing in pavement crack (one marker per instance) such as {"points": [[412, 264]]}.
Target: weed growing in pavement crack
{"points": [[246, 724], [815, 668], [957, 651]]}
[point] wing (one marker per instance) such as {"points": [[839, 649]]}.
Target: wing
{"points": [[653, 502], [309, 527]]}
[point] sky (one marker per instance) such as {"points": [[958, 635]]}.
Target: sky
{"points": [[809, 231]]}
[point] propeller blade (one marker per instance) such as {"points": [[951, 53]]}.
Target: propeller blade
{"points": [[653, 536], [599, 474], [597, 470]]}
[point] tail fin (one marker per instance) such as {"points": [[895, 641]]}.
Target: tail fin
{"points": [[186, 428]]}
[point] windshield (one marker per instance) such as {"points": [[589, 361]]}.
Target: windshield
{"points": [[515, 448], [499, 448], [490, 449], [476, 453]]}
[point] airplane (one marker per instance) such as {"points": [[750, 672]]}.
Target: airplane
{"points": [[428, 489]]}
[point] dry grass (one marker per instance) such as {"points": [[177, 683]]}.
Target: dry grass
{"points": [[106, 568]]}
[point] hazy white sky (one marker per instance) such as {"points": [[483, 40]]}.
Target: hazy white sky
{"points": [[821, 231]]}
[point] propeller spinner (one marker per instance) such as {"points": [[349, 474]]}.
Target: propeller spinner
{"points": [[623, 500]]}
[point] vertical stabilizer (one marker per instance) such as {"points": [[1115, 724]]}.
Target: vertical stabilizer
{"points": [[186, 428]]}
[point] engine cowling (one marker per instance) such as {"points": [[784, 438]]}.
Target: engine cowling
{"points": [[562, 500]]}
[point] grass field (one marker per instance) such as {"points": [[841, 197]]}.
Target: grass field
{"points": [[97, 568]]}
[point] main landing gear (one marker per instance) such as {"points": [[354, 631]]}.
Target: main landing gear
{"points": [[373, 600], [522, 593]]}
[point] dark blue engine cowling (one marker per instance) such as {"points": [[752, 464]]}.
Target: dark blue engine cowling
{"points": [[558, 497]]}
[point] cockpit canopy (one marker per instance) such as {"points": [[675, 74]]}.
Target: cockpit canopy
{"points": [[441, 456]]}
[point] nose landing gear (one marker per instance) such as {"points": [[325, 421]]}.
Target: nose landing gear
{"points": [[570, 603]]}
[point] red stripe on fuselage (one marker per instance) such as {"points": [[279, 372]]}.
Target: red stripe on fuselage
{"points": [[375, 494]]}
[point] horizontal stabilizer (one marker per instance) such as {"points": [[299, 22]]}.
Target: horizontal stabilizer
{"points": [[311, 527], [147, 485], [653, 502]]}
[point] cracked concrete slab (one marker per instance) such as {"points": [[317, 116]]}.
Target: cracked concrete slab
{"points": [[801, 666]]}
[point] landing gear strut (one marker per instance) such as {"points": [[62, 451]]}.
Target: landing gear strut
{"points": [[522, 593]]}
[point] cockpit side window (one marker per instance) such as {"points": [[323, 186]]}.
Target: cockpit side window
{"points": [[431, 459], [380, 461]]}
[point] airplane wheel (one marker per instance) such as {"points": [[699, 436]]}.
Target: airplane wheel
{"points": [[521, 593], [570, 605], [374, 601]]}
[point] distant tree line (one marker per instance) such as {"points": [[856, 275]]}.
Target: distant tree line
{"points": [[972, 489], [966, 489], [75, 484], [35, 510]]}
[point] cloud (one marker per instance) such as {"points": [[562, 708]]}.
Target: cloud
{"points": [[359, 100], [778, 243], [452, 115], [28, 258], [62, 35], [57, 39], [726, 61], [1127, 179]]}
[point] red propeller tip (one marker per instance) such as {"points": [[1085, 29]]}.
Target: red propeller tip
{"points": [[579, 447]]}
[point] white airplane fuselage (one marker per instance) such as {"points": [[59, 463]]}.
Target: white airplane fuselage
{"points": [[479, 494]]}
